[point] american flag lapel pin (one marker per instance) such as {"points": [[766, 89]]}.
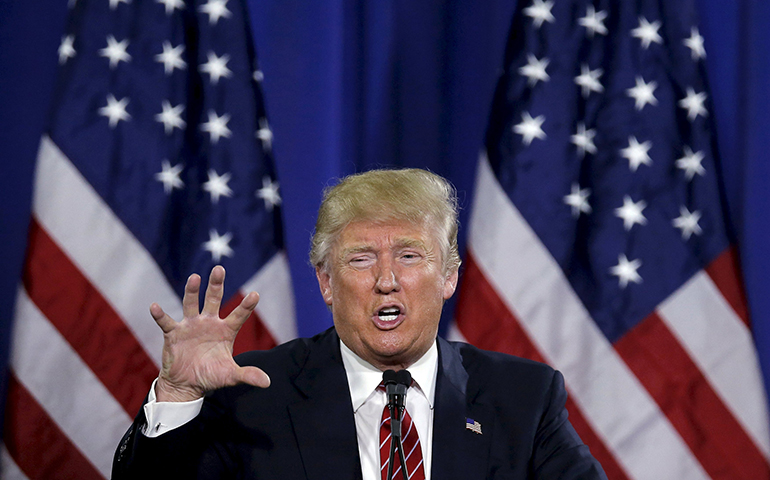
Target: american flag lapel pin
{"points": [[473, 425]]}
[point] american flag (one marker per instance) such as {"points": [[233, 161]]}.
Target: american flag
{"points": [[156, 163], [598, 242]]}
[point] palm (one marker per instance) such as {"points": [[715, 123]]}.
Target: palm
{"points": [[198, 351]]}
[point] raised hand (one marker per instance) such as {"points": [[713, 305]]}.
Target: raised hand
{"points": [[198, 351]]}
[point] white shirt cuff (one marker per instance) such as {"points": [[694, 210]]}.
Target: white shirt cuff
{"points": [[163, 417]]}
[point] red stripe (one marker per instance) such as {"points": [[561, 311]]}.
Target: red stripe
{"points": [[486, 322], [253, 334], [87, 321], [725, 273], [37, 445], [690, 403]]}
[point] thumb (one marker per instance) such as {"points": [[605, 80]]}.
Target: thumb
{"points": [[253, 376]]}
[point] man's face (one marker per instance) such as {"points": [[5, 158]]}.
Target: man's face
{"points": [[386, 288]]}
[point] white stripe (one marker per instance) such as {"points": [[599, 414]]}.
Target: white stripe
{"points": [[276, 300], [101, 246], [620, 410], [8, 468], [65, 387], [454, 334], [721, 346]]}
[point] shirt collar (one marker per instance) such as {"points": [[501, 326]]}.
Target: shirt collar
{"points": [[363, 377]]}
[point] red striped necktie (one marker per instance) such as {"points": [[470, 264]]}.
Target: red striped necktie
{"points": [[412, 450]]}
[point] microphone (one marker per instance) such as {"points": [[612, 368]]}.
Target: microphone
{"points": [[396, 384]]}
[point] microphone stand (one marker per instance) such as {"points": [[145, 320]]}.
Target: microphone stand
{"points": [[396, 384]]}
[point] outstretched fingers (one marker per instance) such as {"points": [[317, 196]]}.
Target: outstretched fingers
{"points": [[214, 291], [190, 300], [241, 313], [165, 322], [253, 376]]}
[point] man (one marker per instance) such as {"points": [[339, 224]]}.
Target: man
{"points": [[386, 259]]}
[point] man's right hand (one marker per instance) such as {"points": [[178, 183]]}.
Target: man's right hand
{"points": [[198, 351]]}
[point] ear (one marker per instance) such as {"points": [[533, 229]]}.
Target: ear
{"points": [[450, 284], [325, 284]]}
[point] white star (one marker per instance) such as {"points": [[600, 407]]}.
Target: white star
{"points": [[217, 186], [171, 5], [540, 12], [578, 200], [171, 57], [594, 21], [115, 110], [115, 51], [216, 9], [647, 32], [169, 176], [589, 80], [626, 271], [219, 246], [631, 212], [695, 44], [687, 222], [529, 128], [265, 135], [693, 103], [643, 93], [534, 70], [171, 117], [66, 49], [584, 139], [636, 153], [691, 163], [114, 3], [258, 76], [269, 193], [216, 67], [217, 126]]}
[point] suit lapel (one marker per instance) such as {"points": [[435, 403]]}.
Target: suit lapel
{"points": [[458, 452], [324, 417]]}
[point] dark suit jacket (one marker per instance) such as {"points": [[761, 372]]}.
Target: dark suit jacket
{"points": [[302, 426]]}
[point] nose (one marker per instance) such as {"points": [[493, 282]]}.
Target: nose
{"points": [[387, 280]]}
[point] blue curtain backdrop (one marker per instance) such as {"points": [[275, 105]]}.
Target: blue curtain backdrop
{"points": [[355, 84]]}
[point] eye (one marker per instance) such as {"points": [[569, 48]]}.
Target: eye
{"points": [[361, 260]]}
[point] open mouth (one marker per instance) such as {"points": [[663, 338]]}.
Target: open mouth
{"points": [[389, 314]]}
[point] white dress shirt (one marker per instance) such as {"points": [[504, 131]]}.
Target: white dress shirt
{"points": [[368, 403]]}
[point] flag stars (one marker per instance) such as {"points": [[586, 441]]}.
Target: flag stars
{"points": [[540, 11], [171, 58], [578, 200], [216, 127], [269, 193], [216, 9], [647, 32], [529, 128], [115, 110], [114, 3], [216, 67], [626, 271], [631, 213], [643, 93], [593, 21], [584, 140], [219, 245], [690, 163], [265, 135], [588, 80], [115, 51], [217, 186], [258, 76], [534, 70], [687, 222], [169, 176], [695, 44], [171, 117], [693, 103], [66, 49], [636, 153], [171, 5]]}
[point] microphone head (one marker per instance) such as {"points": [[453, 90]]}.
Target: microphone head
{"points": [[403, 377], [389, 377]]}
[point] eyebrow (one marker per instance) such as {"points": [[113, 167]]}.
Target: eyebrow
{"points": [[399, 243]]}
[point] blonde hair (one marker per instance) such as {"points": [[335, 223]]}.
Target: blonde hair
{"points": [[411, 194]]}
